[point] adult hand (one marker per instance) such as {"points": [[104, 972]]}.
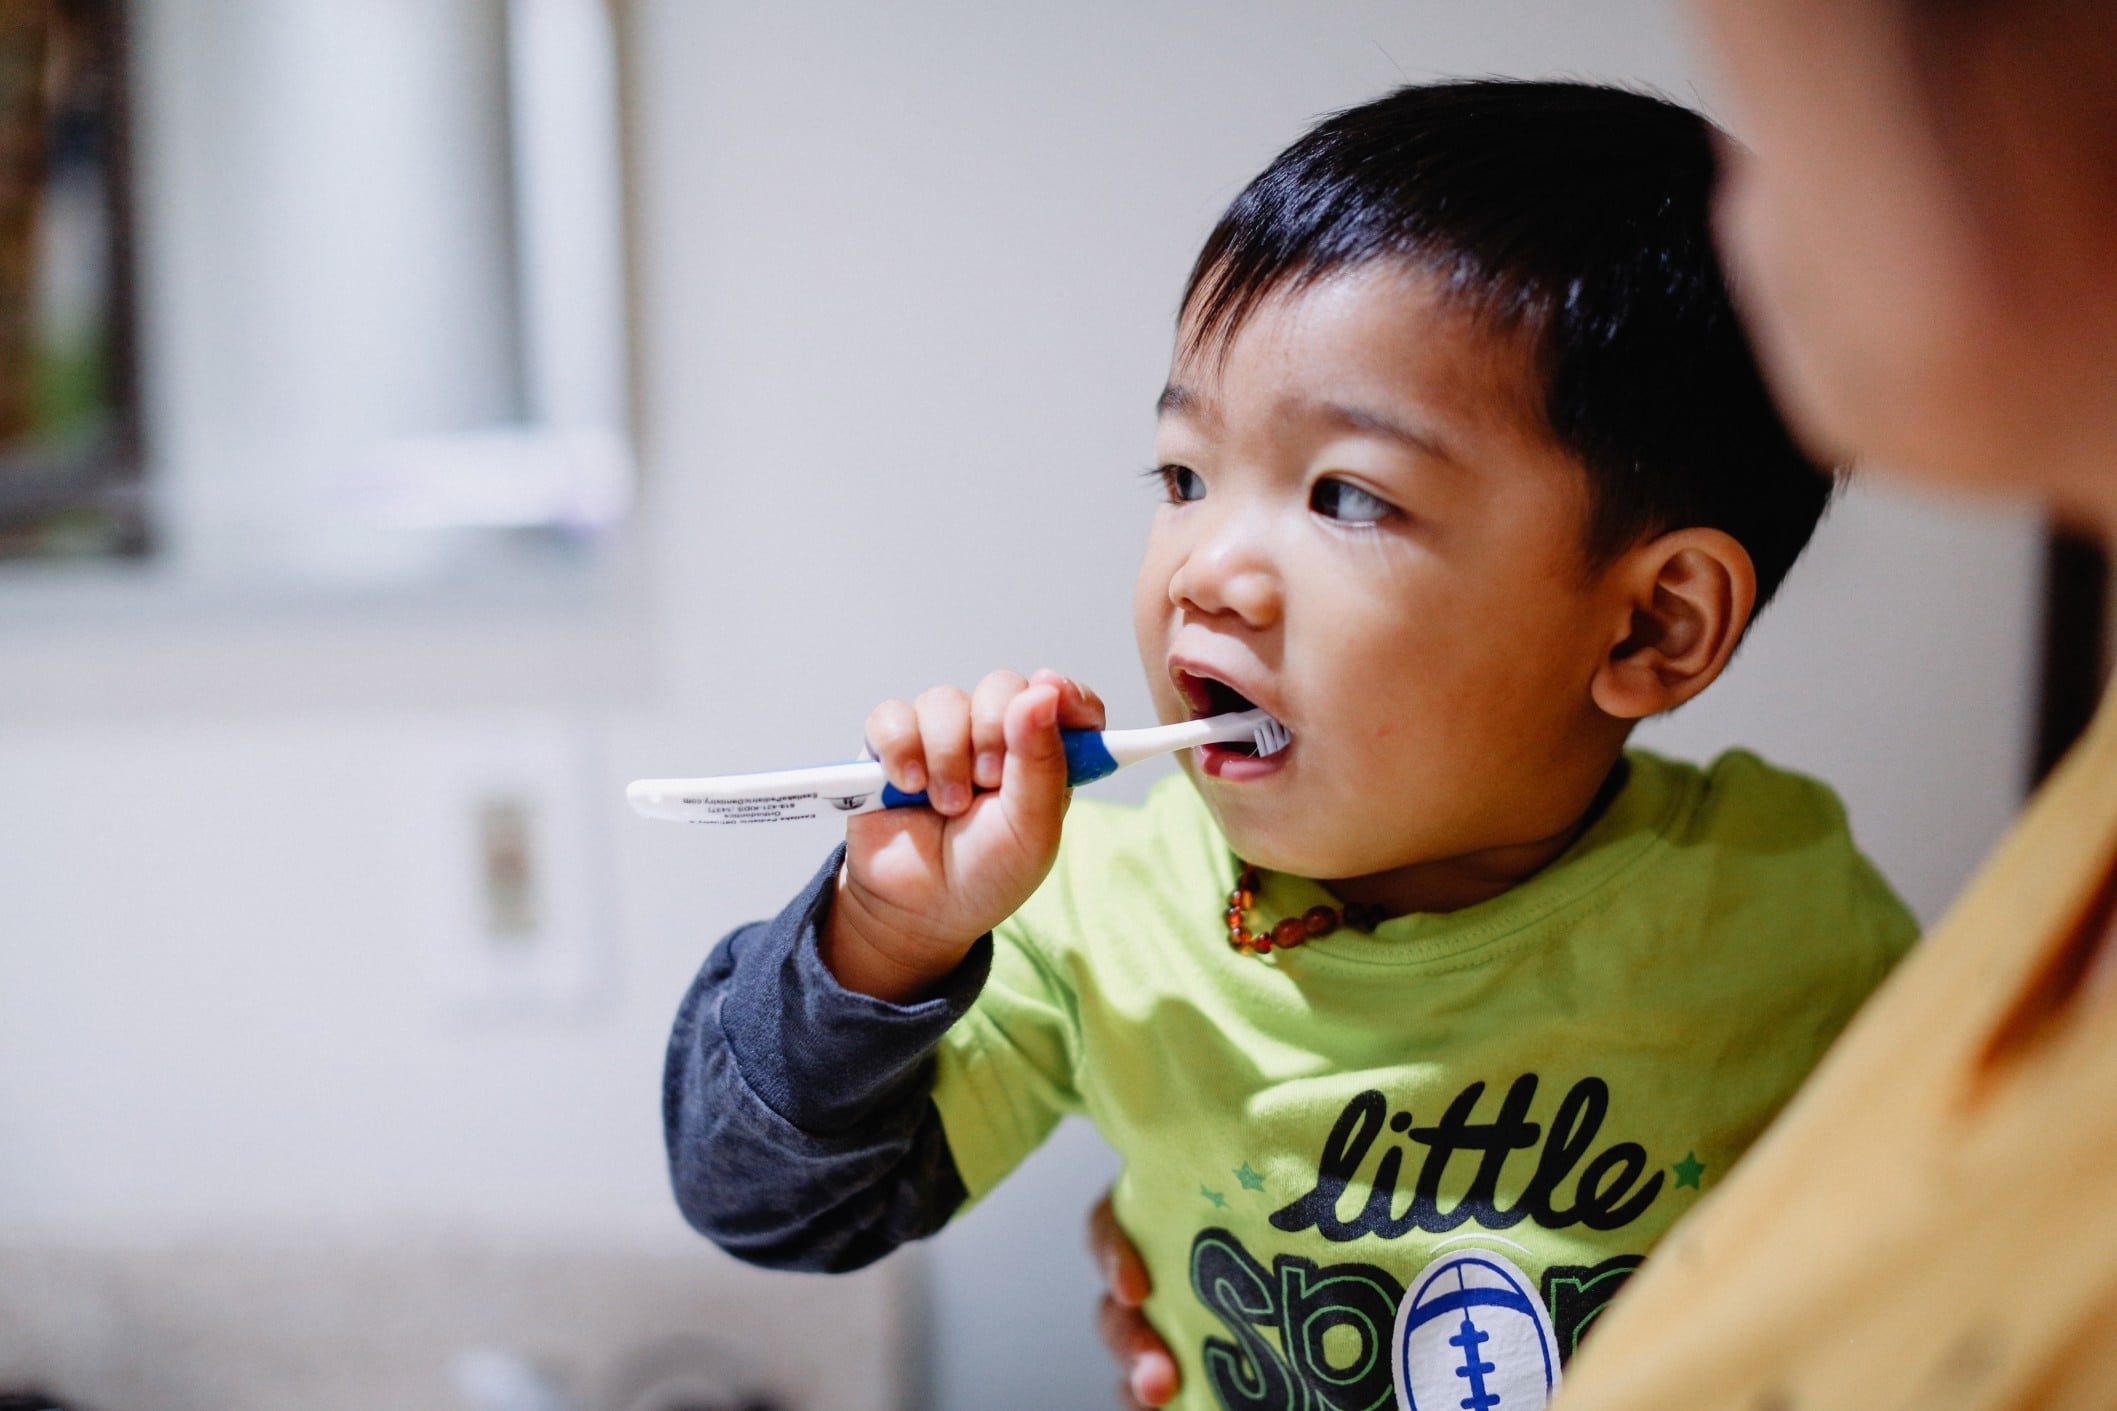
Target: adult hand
{"points": [[1148, 1370]]}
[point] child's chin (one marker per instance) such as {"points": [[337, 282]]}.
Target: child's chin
{"points": [[1266, 842]]}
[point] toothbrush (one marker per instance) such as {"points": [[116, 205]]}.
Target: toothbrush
{"points": [[858, 786]]}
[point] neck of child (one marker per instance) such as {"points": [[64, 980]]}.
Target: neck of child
{"points": [[1452, 883]]}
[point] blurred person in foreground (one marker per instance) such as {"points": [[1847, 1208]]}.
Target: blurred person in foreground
{"points": [[1924, 236]]}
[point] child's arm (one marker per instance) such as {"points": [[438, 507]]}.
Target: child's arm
{"points": [[800, 1134], [795, 1104]]}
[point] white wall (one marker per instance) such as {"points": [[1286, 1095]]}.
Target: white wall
{"points": [[907, 274]]}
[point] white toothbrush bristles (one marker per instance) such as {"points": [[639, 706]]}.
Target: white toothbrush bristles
{"points": [[1272, 737]]}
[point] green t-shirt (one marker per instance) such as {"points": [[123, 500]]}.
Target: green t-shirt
{"points": [[1425, 1157]]}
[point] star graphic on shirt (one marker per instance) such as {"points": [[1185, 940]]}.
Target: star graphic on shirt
{"points": [[1688, 1171], [1220, 1202], [1251, 1181]]}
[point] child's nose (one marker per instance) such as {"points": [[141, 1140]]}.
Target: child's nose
{"points": [[1229, 574]]}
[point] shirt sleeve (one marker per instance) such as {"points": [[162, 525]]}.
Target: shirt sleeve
{"points": [[796, 1113], [1009, 1071]]}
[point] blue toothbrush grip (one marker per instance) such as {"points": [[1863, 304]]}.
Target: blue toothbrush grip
{"points": [[1087, 760], [894, 797], [1087, 757]]}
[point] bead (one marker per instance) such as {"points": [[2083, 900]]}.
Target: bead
{"points": [[1294, 930]]}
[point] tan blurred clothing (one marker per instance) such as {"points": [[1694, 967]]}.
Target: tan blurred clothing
{"points": [[1929, 1224]]}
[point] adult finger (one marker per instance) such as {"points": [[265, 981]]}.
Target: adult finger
{"points": [[1143, 1359], [1116, 1257], [1153, 1379]]}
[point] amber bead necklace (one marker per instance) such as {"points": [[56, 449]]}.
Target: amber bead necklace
{"points": [[1294, 930]]}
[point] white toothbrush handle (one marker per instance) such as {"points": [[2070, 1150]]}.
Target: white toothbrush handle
{"points": [[781, 796], [859, 786], [1132, 746]]}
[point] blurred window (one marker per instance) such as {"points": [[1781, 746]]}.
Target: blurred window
{"points": [[69, 419], [380, 287]]}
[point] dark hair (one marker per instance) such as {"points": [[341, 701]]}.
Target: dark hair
{"points": [[1578, 215]]}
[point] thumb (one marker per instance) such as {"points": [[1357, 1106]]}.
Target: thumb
{"points": [[1033, 776]]}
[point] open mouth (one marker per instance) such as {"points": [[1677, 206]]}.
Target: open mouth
{"points": [[1207, 697]]}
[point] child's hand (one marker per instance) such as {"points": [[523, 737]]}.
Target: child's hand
{"points": [[920, 885]]}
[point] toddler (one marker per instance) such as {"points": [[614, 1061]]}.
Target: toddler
{"points": [[1415, 1035]]}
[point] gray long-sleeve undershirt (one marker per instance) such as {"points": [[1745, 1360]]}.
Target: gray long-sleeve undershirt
{"points": [[800, 1130]]}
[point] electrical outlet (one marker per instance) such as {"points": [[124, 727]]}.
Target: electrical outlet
{"points": [[531, 938], [507, 868]]}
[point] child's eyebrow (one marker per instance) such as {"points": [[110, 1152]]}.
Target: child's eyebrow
{"points": [[1176, 398], [1373, 423]]}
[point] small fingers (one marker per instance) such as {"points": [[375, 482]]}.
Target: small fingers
{"points": [[944, 729], [1033, 776], [1079, 708], [988, 725], [893, 736], [950, 744]]}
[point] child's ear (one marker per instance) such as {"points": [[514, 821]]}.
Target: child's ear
{"points": [[1685, 597]]}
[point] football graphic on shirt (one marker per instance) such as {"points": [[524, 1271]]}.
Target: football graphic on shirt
{"points": [[1472, 1335]]}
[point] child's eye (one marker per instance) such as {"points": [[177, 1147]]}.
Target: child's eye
{"points": [[1349, 504], [1181, 483]]}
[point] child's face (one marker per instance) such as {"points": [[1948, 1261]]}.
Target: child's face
{"points": [[1371, 534]]}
